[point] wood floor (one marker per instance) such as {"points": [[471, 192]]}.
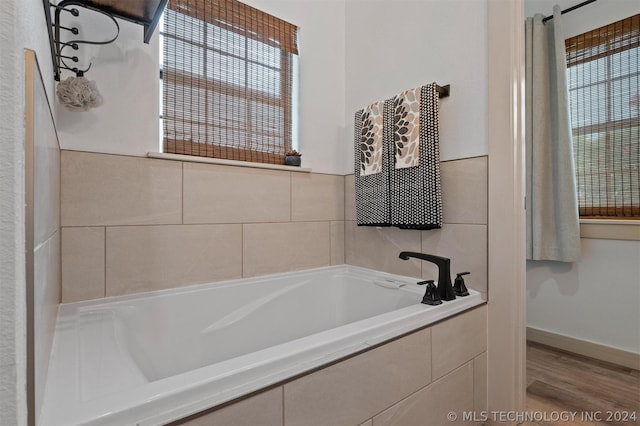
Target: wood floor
{"points": [[582, 390]]}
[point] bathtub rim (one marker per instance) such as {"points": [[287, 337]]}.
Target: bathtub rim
{"points": [[193, 392]]}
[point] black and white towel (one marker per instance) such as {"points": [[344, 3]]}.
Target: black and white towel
{"points": [[371, 167], [398, 184], [415, 194]]}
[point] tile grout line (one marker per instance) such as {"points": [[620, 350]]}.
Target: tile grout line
{"points": [[282, 396], [473, 382], [105, 262], [430, 354], [182, 192], [242, 250], [330, 242]]}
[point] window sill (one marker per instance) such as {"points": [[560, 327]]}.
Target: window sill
{"points": [[610, 229], [222, 162]]}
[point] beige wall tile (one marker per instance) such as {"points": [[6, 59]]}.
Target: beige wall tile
{"points": [[378, 248], [480, 383], [432, 405], [281, 247], [46, 180], [352, 391], [464, 190], [466, 246], [367, 423], [42, 163], [83, 261], [316, 197], [102, 189], [349, 197], [145, 258], [337, 243], [227, 194], [46, 297], [264, 409], [458, 340]]}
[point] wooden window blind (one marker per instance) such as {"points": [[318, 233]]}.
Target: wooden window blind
{"points": [[227, 79], [603, 74]]}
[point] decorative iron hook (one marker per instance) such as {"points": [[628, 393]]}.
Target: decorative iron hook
{"points": [[73, 11], [59, 46]]}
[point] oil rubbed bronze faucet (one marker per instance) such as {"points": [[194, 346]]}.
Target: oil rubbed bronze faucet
{"points": [[445, 289]]}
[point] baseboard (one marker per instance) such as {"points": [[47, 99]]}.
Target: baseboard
{"points": [[582, 347]]}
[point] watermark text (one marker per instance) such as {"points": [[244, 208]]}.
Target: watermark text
{"points": [[544, 416]]}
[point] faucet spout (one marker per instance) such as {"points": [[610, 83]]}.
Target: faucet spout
{"points": [[444, 271]]}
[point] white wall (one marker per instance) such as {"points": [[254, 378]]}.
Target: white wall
{"points": [[126, 73], [322, 81], [597, 299], [397, 45], [12, 256], [342, 50], [22, 25]]}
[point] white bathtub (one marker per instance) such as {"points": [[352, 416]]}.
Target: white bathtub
{"points": [[152, 358]]}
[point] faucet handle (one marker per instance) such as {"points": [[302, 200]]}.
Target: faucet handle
{"points": [[431, 294], [458, 286]]}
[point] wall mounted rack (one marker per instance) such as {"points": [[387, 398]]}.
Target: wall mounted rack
{"points": [[143, 12]]}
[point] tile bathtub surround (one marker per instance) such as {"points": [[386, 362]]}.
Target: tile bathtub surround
{"points": [[351, 391], [392, 384], [466, 246], [337, 242], [102, 189], [480, 397], [83, 263], [149, 224], [274, 247], [458, 340], [317, 197], [264, 409], [42, 238], [146, 258], [378, 248], [349, 198], [226, 194], [432, 404], [46, 297], [464, 190]]}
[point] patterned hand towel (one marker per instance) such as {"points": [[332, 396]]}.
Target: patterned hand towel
{"points": [[371, 169], [406, 128], [371, 139], [414, 183]]}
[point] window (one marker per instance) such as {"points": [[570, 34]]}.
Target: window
{"points": [[227, 74], [603, 75]]}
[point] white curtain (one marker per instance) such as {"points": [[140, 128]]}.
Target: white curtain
{"points": [[553, 229]]}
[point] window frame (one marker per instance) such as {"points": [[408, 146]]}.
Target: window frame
{"points": [[628, 212], [283, 101]]}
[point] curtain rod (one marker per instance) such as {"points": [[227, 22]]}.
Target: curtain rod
{"points": [[577, 6]]}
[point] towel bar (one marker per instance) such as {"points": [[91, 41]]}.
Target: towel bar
{"points": [[443, 91]]}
